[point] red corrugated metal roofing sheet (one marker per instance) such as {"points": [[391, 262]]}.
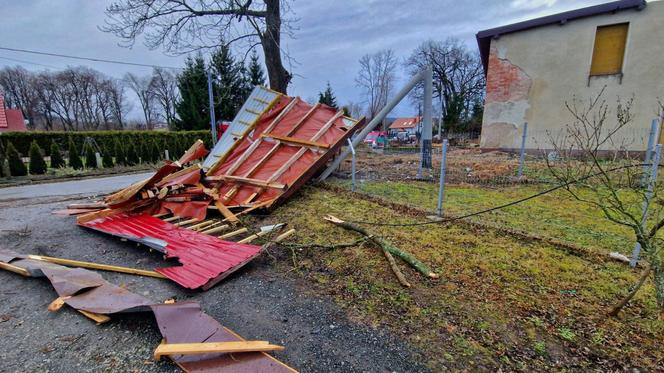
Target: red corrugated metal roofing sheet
{"points": [[299, 121], [205, 259]]}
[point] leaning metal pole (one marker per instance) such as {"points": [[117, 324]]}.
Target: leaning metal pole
{"points": [[425, 153], [213, 121], [374, 122]]}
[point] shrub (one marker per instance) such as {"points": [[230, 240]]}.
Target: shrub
{"points": [[56, 156], [132, 156], [22, 140], [37, 163], [16, 165], [74, 157], [155, 155], [118, 151], [107, 157], [90, 158]]}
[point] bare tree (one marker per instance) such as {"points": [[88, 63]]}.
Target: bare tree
{"points": [[376, 79], [615, 187], [181, 26], [458, 76], [142, 87], [16, 82], [165, 89], [119, 106]]}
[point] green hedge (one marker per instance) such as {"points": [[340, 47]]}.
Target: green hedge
{"points": [[174, 141]]}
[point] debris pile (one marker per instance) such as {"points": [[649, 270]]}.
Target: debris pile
{"points": [[187, 210]]}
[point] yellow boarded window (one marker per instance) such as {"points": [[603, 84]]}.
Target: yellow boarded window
{"points": [[609, 49]]}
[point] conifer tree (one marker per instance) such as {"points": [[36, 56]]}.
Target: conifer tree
{"points": [[75, 161], [229, 83], [16, 165], [255, 71], [107, 157], [192, 107], [118, 151], [56, 156], [37, 163], [132, 155], [90, 158], [327, 97]]}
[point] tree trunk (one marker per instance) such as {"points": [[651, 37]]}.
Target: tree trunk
{"points": [[271, 42]]}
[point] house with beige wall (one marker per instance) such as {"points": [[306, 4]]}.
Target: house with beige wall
{"points": [[534, 67]]}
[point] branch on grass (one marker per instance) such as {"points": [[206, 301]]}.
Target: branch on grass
{"points": [[386, 246], [644, 276]]}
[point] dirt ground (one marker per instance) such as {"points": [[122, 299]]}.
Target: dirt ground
{"points": [[258, 302]]}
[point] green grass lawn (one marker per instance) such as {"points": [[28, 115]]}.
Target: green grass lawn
{"points": [[556, 215], [501, 301]]}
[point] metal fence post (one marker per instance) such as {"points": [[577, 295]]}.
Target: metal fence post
{"points": [[352, 169], [646, 201], [651, 145], [522, 156], [441, 187], [213, 121]]}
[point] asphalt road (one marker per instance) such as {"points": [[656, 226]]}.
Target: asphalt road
{"points": [[68, 188], [260, 301]]}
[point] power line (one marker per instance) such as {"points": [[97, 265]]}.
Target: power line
{"points": [[87, 58], [512, 203], [28, 62]]}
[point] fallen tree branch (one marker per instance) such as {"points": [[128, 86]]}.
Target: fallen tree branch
{"points": [[395, 269], [386, 246]]}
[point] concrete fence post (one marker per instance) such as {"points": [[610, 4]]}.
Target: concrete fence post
{"points": [[352, 169], [651, 144], [522, 155], [441, 187], [646, 202], [99, 161], [166, 155]]}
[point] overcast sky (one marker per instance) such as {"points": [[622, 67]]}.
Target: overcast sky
{"points": [[329, 39]]}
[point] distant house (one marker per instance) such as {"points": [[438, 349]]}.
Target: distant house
{"points": [[11, 119], [408, 125], [534, 67]]}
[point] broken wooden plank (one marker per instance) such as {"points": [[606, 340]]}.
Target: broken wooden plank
{"points": [[186, 222], [246, 180], [214, 347], [172, 218], [90, 265], [15, 269], [296, 141], [201, 225], [97, 317], [226, 212]]}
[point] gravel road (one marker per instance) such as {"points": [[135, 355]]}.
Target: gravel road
{"points": [[258, 302]]}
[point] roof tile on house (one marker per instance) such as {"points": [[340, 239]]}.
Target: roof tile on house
{"points": [[404, 123], [11, 119]]}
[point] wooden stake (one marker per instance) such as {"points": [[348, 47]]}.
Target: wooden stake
{"points": [[214, 347], [102, 267], [234, 233]]}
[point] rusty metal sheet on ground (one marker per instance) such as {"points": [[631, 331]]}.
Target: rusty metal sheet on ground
{"points": [[178, 322]]}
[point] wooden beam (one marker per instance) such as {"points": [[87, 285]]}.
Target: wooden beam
{"points": [[295, 141], [172, 218], [15, 269], [214, 347], [246, 180], [199, 226], [102, 267], [216, 229], [233, 234], [226, 212], [186, 222], [97, 317]]}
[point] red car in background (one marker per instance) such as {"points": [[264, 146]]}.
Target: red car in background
{"points": [[376, 139]]}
